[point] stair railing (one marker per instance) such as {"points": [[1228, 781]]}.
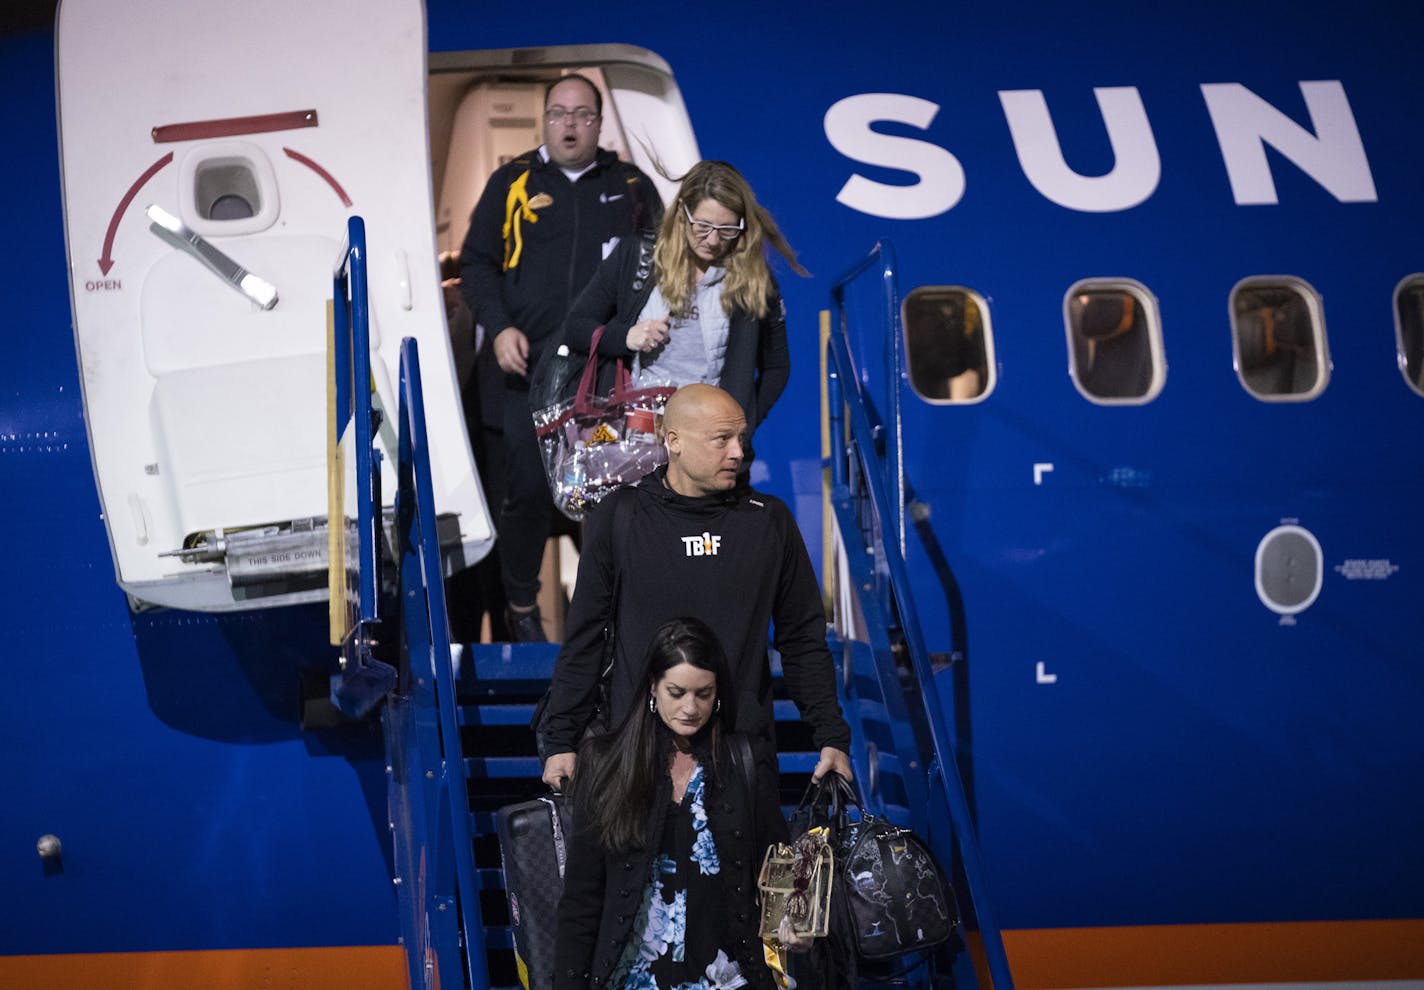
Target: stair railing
{"points": [[436, 886], [868, 500]]}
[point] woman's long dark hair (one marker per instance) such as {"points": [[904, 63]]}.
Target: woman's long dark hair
{"points": [[617, 777]]}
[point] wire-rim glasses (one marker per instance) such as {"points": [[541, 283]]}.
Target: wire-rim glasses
{"points": [[582, 116]]}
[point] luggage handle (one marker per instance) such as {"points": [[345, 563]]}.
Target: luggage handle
{"points": [[835, 793], [560, 852]]}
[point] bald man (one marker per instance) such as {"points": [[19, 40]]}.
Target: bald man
{"points": [[687, 541]]}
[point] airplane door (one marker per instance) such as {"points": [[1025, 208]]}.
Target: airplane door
{"points": [[258, 128]]}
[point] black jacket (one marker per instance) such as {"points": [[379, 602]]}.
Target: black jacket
{"points": [[737, 562], [757, 363], [557, 236], [603, 891]]}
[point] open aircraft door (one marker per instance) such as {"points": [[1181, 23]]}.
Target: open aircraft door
{"points": [[210, 160]]}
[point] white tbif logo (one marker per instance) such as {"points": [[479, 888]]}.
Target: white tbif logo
{"points": [[705, 545]]}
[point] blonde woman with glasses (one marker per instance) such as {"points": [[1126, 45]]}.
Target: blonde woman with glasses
{"points": [[699, 303]]}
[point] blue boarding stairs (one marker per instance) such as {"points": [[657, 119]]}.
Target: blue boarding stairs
{"points": [[456, 717]]}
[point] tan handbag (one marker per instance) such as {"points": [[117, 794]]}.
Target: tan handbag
{"points": [[795, 883]]}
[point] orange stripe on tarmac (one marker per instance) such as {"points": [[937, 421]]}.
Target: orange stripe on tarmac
{"points": [[1184, 955], [355, 967]]}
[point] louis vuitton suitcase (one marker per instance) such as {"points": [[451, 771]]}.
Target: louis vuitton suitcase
{"points": [[533, 847]]}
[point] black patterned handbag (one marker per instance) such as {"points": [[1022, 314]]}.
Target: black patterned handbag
{"points": [[894, 897]]}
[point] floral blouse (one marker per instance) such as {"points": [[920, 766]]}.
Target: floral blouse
{"points": [[664, 953]]}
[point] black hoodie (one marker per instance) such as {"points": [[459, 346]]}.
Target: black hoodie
{"points": [[528, 278], [737, 562]]}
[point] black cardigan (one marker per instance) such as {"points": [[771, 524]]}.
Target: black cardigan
{"points": [[603, 891], [756, 366]]}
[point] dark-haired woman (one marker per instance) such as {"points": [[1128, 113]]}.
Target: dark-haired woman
{"points": [[660, 886]]}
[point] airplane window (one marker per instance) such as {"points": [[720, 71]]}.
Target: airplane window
{"points": [[229, 187], [231, 207], [1409, 327], [948, 344], [1114, 341], [1278, 333], [226, 189]]}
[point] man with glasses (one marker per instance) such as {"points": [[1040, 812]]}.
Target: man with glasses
{"points": [[541, 227]]}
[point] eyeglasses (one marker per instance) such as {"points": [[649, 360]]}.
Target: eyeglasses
{"points": [[701, 228], [582, 116]]}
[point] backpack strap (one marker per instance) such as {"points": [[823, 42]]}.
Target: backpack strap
{"points": [[610, 628], [744, 762], [643, 281]]}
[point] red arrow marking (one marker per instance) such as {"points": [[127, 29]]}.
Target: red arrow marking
{"points": [[106, 262], [297, 156]]}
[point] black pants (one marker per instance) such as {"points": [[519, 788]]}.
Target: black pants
{"points": [[477, 591], [527, 517]]}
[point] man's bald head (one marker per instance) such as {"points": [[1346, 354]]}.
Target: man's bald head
{"points": [[698, 401], [705, 429]]}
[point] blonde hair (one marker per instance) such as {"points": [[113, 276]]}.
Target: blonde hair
{"points": [[748, 282]]}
